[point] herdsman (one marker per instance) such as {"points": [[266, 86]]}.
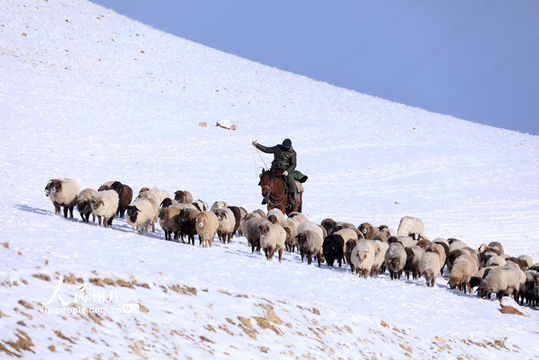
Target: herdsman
{"points": [[284, 163]]}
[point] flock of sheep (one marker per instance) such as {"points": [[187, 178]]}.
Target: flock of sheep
{"points": [[368, 250]]}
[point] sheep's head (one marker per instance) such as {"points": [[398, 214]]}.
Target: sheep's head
{"points": [[166, 202], [53, 186], [116, 186], [264, 229], [163, 215], [132, 212], [273, 219], [393, 239]]}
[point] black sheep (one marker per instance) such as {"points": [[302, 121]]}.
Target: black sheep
{"points": [[333, 249]]}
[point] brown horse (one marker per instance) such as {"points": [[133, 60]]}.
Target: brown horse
{"points": [[274, 193]]}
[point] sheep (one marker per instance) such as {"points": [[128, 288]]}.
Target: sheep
{"points": [[188, 225], [333, 249], [169, 220], [84, 205], [291, 226], [206, 225], [106, 186], [363, 258], [410, 225], [493, 246], [423, 243], [227, 223], [522, 264], [527, 289], [125, 195], [430, 267], [141, 214], [63, 192], [413, 257], [272, 238], [383, 233], [380, 249], [395, 258], [345, 225], [536, 286], [348, 248], [200, 205], [329, 225], [238, 215], [218, 205], [310, 244], [502, 280], [260, 212], [455, 244], [277, 214], [527, 259], [464, 267], [299, 217], [183, 197], [157, 196], [459, 252], [105, 204], [407, 241], [445, 244], [367, 230], [497, 260], [250, 227], [478, 276], [348, 234]]}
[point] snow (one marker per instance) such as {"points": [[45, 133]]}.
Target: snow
{"points": [[91, 95]]}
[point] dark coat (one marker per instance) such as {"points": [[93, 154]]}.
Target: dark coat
{"points": [[283, 159]]}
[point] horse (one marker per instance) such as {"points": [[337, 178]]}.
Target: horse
{"points": [[274, 193]]}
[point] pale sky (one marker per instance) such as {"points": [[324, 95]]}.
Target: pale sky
{"points": [[477, 60]]}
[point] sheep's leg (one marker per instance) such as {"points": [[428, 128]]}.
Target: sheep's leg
{"points": [[280, 254]]}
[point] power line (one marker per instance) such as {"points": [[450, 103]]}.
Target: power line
{"points": [[491, 73], [370, 41], [434, 50]]}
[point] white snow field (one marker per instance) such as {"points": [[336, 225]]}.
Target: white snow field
{"points": [[94, 96]]}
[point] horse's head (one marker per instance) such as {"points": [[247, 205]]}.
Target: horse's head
{"points": [[266, 182]]}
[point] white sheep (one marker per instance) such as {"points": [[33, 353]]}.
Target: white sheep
{"points": [[105, 204], [380, 249], [410, 225], [363, 256], [63, 192], [84, 205], [455, 244], [497, 260], [227, 223], [430, 267], [439, 250], [158, 196], [290, 225], [277, 214], [141, 214], [464, 267], [502, 280], [395, 258], [218, 205], [206, 225], [272, 239], [201, 205], [299, 217]]}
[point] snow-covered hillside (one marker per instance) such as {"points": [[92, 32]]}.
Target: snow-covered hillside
{"points": [[90, 95]]}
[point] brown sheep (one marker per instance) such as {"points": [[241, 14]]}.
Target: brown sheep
{"points": [[125, 194], [206, 225], [367, 230]]}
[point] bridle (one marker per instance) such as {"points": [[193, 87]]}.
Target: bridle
{"points": [[270, 198]]}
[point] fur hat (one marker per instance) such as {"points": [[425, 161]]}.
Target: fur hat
{"points": [[287, 143]]}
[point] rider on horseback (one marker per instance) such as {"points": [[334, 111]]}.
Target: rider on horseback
{"points": [[284, 163]]}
